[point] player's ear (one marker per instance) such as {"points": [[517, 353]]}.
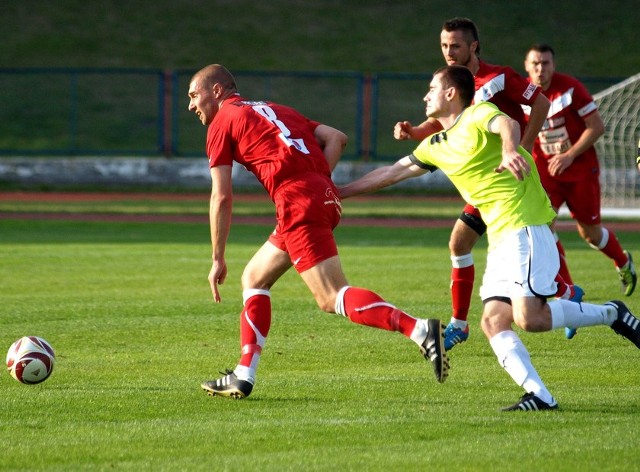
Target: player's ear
{"points": [[217, 90], [451, 93], [473, 47]]}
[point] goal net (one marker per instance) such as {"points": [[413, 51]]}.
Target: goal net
{"points": [[619, 106]]}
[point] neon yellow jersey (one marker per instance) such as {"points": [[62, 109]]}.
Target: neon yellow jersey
{"points": [[469, 154]]}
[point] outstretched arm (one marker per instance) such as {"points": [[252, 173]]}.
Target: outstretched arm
{"points": [[220, 206], [405, 130], [382, 177], [512, 160], [332, 141]]}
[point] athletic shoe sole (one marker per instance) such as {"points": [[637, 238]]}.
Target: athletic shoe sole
{"points": [[433, 350], [529, 402], [626, 324], [228, 386]]}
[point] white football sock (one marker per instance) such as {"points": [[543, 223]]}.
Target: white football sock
{"points": [[514, 358], [245, 373], [462, 324], [577, 315], [419, 333]]}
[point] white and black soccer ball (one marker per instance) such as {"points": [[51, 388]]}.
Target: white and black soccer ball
{"points": [[30, 360]]}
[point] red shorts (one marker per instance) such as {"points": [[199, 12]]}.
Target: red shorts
{"points": [[582, 197], [307, 211]]}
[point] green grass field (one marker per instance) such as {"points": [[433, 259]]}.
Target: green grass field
{"points": [[128, 309]]}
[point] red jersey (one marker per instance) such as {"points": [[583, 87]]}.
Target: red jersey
{"points": [[571, 103], [505, 88], [274, 142]]}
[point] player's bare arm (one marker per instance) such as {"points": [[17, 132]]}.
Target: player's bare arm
{"points": [[404, 130], [220, 207], [382, 177], [512, 160], [332, 141], [594, 129], [539, 110]]}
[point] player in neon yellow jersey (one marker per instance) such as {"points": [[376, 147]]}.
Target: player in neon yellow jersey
{"points": [[478, 144]]}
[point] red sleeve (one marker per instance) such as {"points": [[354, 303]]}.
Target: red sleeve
{"points": [[519, 89], [314, 124], [219, 145], [582, 100]]}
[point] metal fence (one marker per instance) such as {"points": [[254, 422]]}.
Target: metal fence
{"points": [[129, 112], [82, 111]]}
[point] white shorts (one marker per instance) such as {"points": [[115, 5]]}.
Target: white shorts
{"points": [[524, 264]]}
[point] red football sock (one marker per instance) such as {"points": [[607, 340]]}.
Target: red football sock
{"points": [[564, 268], [461, 291], [364, 307], [565, 290], [255, 321], [612, 248]]}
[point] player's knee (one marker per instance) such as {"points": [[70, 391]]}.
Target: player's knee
{"points": [[250, 279], [531, 324], [496, 316], [246, 280], [460, 247], [490, 325], [453, 247], [463, 239], [594, 235], [592, 240]]}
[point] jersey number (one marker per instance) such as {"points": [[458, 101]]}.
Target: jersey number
{"points": [[285, 134]]}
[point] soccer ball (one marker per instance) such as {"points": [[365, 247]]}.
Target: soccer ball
{"points": [[30, 360]]}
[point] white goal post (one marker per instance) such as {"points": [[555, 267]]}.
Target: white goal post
{"points": [[619, 106]]}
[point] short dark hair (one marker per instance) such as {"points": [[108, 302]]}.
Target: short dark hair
{"points": [[460, 78], [465, 25], [542, 47], [216, 73]]}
